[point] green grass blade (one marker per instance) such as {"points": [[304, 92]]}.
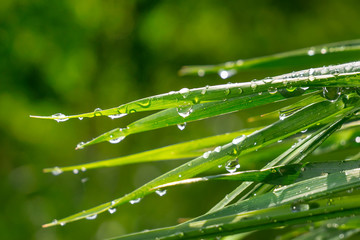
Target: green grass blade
{"points": [[183, 150], [278, 208], [310, 55], [279, 130], [338, 75]]}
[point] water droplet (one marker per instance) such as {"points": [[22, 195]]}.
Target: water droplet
{"points": [[91, 217], [331, 93], [206, 154], [282, 116], [184, 92], [304, 131], [84, 180], [179, 175], [112, 210], [324, 50], [217, 149], [97, 112], [75, 171], [311, 52], [201, 72], [116, 140], [240, 90], [238, 139], [232, 165], [253, 86], [184, 111], [226, 74], [56, 171], [272, 90], [181, 126], [220, 165], [83, 169], [80, 145], [62, 224], [239, 62], [299, 207], [145, 103], [161, 192], [135, 201], [357, 139], [117, 115], [55, 221], [280, 140], [227, 91], [60, 117], [204, 90], [113, 203], [80, 118]]}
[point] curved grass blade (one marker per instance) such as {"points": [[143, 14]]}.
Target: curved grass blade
{"points": [[183, 150], [278, 130], [290, 58], [293, 155], [280, 175], [282, 206], [343, 75]]}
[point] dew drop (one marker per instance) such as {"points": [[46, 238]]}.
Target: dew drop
{"points": [[299, 207], [161, 192], [56, 171], [179, 175], [80, 118], [217, 149], [181, 126], [282, 116], [55, 221], [184, 92], [311, 52], [204, 90], [75, 171], [112, 210], [232, 165], [62, 224], [184, 111], [113, 203], [239, 62], [135, 201], [84, 180], [227, 91], [114, 116], [220, 165], [331, 93], [239, 139], [324, 50], [60, 117], [97, 112], [253, 86], [83, 169], [272, 90], [357, 139], [80, 145], [240, 90], [206, 154], [304, 131], [116, 140], [201, 72], [91, 217]]}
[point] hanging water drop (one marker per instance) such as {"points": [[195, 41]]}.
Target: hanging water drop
{"points": [[181, 126], [272, 90], [62, 224], [232, 165], [91, 217], [75, 171], [253, 85], [97, 112], [161, 192], [112, 210], [331, 93], [206, 154], [135, 201], [238, 139], [114, 116], [56, 171], [60, 117], [184, 92], [184, 111], [116, 140], [80, 118], [113, 203], [80, 145]]}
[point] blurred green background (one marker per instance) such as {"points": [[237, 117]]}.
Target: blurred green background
{"points": [[74, 56]]}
